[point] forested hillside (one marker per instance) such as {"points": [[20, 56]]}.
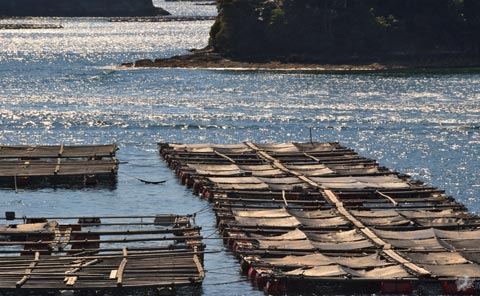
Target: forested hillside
{"points": [[344, 29]]}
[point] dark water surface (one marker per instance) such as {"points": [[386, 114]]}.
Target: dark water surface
{"points": [[63, 86]]}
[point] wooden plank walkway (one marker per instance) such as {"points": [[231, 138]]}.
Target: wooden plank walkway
{"points": [[47, 255], [303, 213], [57, 165]]}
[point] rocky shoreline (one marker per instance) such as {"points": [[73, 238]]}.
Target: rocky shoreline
{"points": [[201, 59]]}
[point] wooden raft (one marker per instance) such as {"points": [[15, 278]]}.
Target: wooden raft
{"points": [[320, 213], [57, 165], [29, 26], [162, 19], [99, 253]]}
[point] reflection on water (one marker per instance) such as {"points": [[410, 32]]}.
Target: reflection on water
{"points": [[63, 86]]}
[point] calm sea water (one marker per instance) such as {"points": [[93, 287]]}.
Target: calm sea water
{"points": [[64, 86]]}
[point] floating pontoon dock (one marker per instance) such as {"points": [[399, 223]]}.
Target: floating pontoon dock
{"points": [[108, 254], [57, 165], [318, 213]]}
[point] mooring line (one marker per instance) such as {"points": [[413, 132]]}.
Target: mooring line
{"points": [[226, 283], [221, 268], [15, 181], [211, 234], [144, 181], [220, 272], [204, 209]]}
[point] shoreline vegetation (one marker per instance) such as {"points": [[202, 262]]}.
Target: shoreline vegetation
{"points": [[337, 35]]}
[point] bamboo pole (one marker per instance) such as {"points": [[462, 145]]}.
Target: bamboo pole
{"points": [[93, 241]]}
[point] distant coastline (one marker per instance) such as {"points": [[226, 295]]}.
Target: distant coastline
{"points": [[79, 8]]}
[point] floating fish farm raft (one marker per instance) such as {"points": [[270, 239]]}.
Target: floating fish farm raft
{"points": [[316, 215], [61, 165], [112, 254], [162, 19], [29, 26]]}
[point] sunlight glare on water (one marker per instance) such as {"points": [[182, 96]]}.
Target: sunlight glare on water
{"points": [[65, 86]]}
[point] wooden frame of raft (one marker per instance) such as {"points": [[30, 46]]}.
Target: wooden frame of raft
{"points": [[22, 166], [319, 213], [109, 253]]}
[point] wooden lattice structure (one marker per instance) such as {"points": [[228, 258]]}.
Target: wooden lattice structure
{"points": [[22, 166], [108, 254], [318, 213]]}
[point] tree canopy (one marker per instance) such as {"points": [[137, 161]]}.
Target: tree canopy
{"points": [[347, 28]]}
